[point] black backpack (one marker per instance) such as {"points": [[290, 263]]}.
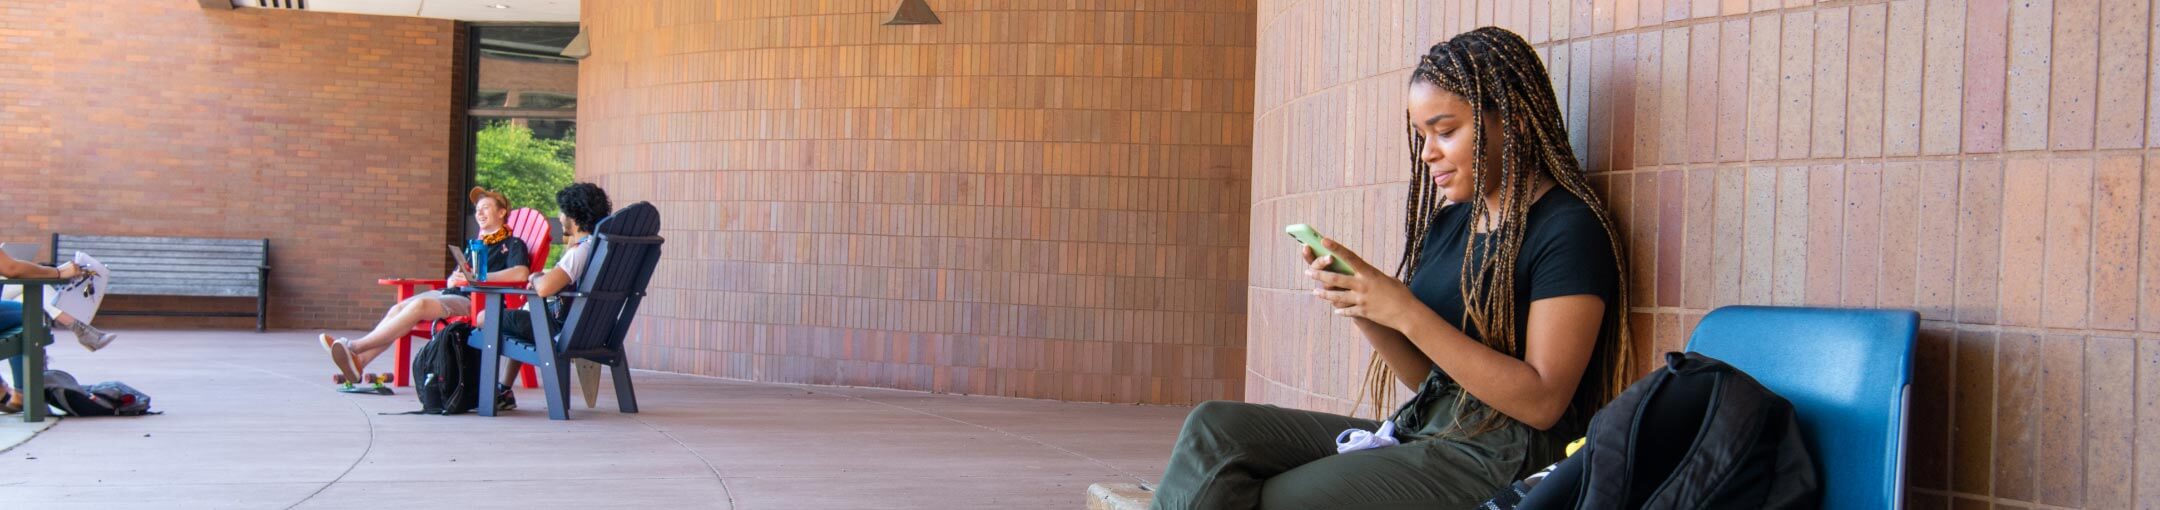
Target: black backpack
{"points": [[1695, 434], [447, 372], [109, 398]]}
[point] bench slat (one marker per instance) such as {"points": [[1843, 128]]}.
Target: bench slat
{"points": [[204, 277], [180, 290], [238, 258], [164, 241], [203, 271], [187, 282], [164, 261], [98, 250], [203, 241], [95, 249], [163, 244], [201, 275], [119, 264]]}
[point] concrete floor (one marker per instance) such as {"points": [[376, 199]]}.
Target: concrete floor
{"points": [[252, 422]]}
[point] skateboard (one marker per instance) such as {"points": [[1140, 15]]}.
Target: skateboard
{"points": [[375, 384]]}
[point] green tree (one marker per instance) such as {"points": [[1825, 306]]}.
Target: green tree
{"points": [[528, 170]]}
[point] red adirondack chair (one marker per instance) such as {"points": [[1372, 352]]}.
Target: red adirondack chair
{"points": [[529, 226]]}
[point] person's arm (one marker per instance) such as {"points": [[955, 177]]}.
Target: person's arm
{"points": [[1535, 390], [1561, 334], [511, 274], [555, 279], [550, 282], [11, 268]]}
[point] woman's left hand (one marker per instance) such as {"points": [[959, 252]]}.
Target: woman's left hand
{"points": [[1370, 293]]}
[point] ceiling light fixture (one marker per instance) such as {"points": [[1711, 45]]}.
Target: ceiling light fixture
{"points": [[914, 12], [498, 6]]}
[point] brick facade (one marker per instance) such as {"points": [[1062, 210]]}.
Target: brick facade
{"points": [[1036, 199], [329, 134], [1991, 164]]}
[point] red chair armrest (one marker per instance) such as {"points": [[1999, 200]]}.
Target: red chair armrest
{"points": [[413, 281]]}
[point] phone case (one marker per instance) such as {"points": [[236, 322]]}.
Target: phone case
{"points": [[1304, 234]]}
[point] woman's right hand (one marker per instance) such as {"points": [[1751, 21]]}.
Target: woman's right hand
{"points": [[1313, 262], [68, 271]]}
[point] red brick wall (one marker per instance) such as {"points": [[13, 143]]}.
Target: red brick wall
{"points": [[329, 134], [935, 207], [1994, 165]]}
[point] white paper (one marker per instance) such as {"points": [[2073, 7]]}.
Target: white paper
{"points": [[80, 297]]}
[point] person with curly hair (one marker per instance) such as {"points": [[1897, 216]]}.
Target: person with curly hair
{"points": [[1504, 313], [583, 205]]}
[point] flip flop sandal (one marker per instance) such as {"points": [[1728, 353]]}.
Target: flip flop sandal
{"points": [[8, 403]]}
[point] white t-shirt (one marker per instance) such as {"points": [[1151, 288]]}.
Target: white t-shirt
{"points": [[573, 261]]}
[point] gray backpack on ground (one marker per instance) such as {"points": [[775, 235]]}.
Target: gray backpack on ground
{"points": [[109, 398]]}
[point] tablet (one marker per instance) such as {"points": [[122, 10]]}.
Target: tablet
{"points": [[462, 264]]}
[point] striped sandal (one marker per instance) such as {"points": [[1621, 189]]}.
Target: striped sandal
{"points": [[11, 401]]}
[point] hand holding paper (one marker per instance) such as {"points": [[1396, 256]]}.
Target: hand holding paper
{"points": [[84, 291]]}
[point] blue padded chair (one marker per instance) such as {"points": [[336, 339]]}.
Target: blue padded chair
{"points": [[1848, 374]]}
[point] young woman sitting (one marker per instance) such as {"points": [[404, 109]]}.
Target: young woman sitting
{"points": [[1505, 317]]}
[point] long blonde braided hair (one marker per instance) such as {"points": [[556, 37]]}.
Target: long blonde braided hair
{"points": [[1498, 73]]}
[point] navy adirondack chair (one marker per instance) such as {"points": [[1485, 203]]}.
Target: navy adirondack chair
{"points": [[596, 314]]}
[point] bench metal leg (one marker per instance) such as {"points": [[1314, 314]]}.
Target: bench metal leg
{"points": [[32, 361], [262, 301], [30, 366]]}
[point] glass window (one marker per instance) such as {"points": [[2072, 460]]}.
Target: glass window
{"points": [[522, 120], [522, 67]]}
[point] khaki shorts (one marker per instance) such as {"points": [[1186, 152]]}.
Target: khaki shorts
{"points": [[452, 305]]}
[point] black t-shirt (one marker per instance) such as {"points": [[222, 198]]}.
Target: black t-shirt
{"points": [[1565, 252], [507, 253]]}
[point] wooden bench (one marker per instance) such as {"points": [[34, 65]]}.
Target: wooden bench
{"points": [[178, 266]]}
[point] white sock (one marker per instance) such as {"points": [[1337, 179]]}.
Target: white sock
{"points": [[1359, 439]]}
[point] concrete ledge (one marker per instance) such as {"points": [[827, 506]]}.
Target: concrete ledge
{"points": [[14, 432], [1119, 496]]}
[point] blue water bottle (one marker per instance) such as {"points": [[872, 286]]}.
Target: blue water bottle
{"points": [[476, 252]]}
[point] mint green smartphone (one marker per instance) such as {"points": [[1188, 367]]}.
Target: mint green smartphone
{"points": [[1304, 234]]}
